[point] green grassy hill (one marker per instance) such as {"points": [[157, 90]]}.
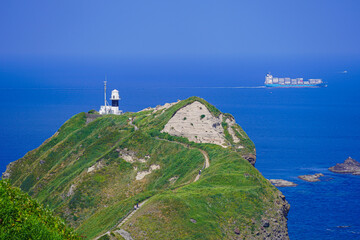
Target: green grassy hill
{"points": [[24, 218], [95, 168]]}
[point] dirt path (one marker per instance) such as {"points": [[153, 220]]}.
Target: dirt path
{"points": [[132, 124], [206, 165], [131, 213], [206, 156]]}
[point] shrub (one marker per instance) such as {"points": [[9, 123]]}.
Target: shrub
{"points": [[24, 218], [93, 112]]}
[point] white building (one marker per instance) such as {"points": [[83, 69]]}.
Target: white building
{"points": [[114, 107]]}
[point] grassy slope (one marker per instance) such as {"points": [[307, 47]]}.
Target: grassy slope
{"points": [[230, 194], [230, 190], [24, 218]]}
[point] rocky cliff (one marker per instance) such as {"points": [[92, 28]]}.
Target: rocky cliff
{"points": [[188, 166]]}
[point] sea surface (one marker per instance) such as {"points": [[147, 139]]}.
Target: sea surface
{"points": [[296, 131]]}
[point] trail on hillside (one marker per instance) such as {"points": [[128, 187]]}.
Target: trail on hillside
{"points": [[132, 212], [207, 162], [206, 156], [132, 124]]}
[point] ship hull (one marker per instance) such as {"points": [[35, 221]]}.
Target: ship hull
{"points": [[295, 85]]}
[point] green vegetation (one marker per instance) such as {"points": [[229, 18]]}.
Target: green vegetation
{"points": [[24, 218], [87, 173], [93, 112], [202, 116], [247, 146], [230, 189]]}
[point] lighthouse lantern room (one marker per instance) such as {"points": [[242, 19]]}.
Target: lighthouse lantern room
{"points": [[115, 98]]}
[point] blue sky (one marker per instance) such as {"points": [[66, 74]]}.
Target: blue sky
{"points": [[187, 28]]}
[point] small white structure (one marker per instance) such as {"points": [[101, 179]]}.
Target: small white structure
{"points": [[114, 107]]}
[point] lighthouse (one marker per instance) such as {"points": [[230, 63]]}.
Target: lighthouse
{"points": [[114, 108], [115, 98]]}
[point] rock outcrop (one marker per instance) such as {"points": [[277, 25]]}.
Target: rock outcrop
{"points": [[251, 158], [141, 175], [130, 156], [97, 166], [196, 123], [7, 173], [282, 183], [349, 166], [274, 224], [311, 178]]}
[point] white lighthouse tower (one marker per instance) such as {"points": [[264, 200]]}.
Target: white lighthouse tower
{"points": [[115, 98], [114, 108]]}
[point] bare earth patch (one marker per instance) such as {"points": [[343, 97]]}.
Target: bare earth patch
{"points": [[142, 174], [232, 123], [173, 179], [71, 190], [95, 167], [130, 156], [196, 123]]}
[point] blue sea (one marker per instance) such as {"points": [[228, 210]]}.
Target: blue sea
{"points": [[296, 131]]}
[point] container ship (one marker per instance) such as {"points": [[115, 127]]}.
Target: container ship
{"points": [[276, 82]]}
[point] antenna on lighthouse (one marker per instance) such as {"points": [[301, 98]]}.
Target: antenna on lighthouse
{"points": [[105, 92]]}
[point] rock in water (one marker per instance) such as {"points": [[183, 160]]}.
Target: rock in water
{"points": [[350, 166], [343, 226], [311, 178], [282, 183]]}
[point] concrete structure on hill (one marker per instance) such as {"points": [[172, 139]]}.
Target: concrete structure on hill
{"points": [[114, 107]]}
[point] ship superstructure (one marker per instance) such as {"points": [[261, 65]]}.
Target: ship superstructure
{"points": [[271, 81]]}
